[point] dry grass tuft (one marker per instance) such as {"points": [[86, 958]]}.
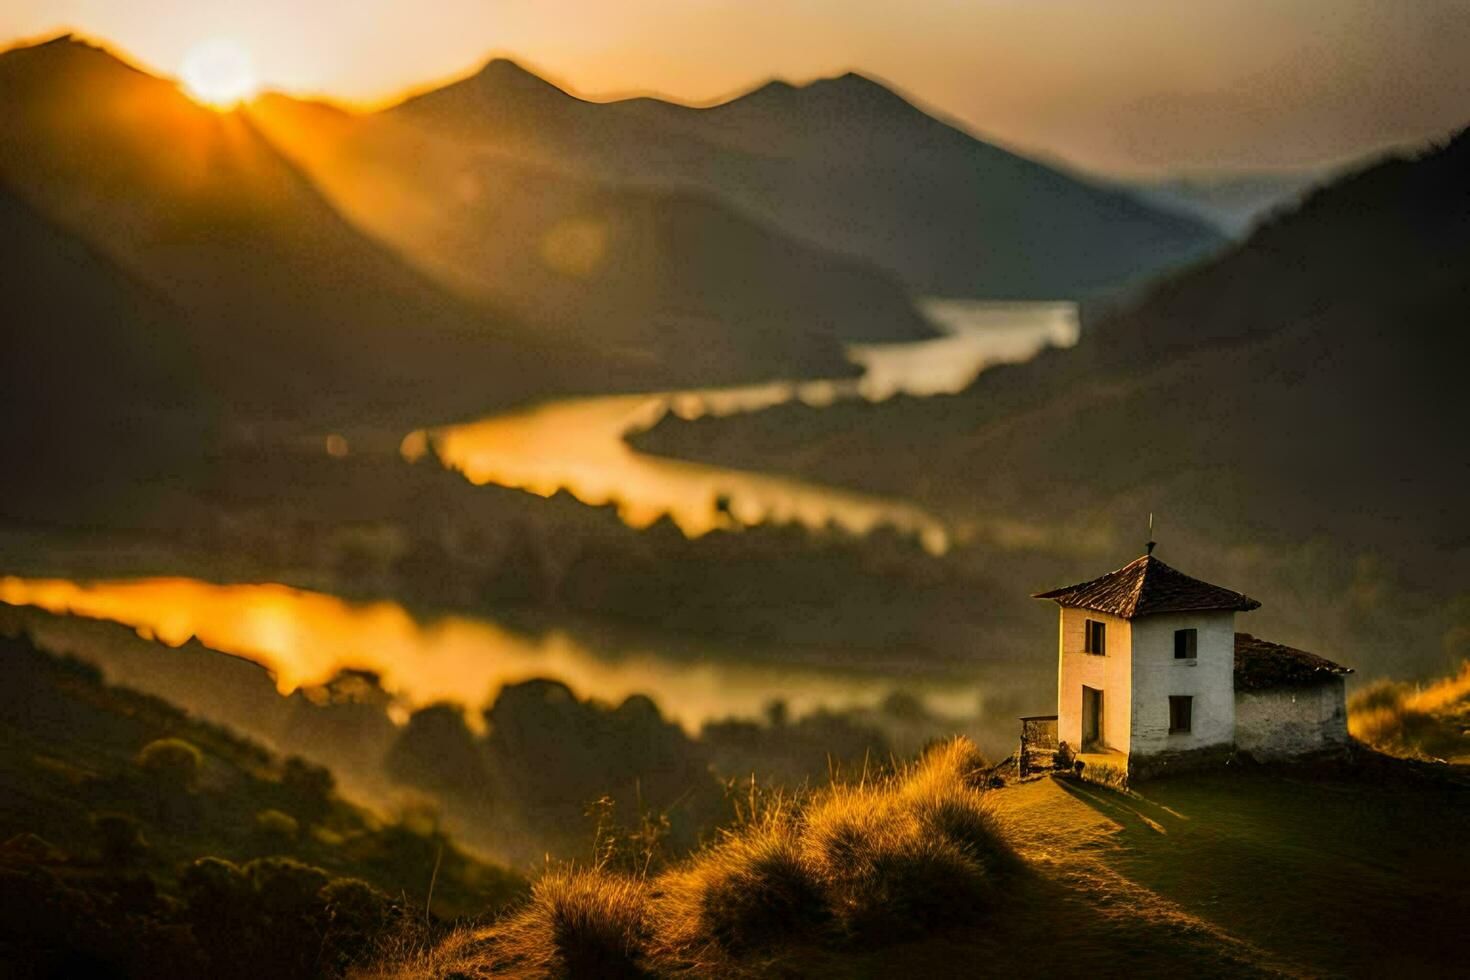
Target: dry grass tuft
{"points": [[752, 892], [1418, 722], [967, 821], [957, 760], [908, 885], [579, 924], [904, 854]]}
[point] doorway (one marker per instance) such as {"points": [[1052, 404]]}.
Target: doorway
{"points": [[1092, 718]]}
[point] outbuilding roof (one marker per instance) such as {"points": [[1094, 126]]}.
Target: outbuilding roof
{"points": [[1261, 664], [1146, 585]]}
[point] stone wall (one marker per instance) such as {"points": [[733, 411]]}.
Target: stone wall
{"points": [[1283, 722]]}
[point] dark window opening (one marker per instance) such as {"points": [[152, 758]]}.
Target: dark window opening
{"points": [[1181, 713], [1094, 637], [1186, 644]]}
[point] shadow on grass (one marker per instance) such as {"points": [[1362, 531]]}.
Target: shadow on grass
{"points": [[1358, 870], [1125, 808]]}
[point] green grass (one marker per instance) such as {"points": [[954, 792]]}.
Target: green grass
{"points": [[1361, 873]]}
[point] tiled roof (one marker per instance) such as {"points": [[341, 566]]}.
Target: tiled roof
{"points": [[1146, 586], [1261, 664]]}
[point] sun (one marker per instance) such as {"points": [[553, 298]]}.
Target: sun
{"points": [[219, 73]]}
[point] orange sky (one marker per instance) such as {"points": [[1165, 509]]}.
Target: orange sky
{"points": [[1126, 86]]}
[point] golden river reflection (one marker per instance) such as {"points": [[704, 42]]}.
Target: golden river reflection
{"points": [[578, 444], [306, 638]]}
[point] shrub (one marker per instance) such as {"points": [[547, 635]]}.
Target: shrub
{"points": [[277, 827], [355, 915], [173, 762], [308, 786], [119, 838], [286, 886]]}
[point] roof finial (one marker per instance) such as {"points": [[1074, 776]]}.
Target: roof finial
{"points": [[1151, 541]]}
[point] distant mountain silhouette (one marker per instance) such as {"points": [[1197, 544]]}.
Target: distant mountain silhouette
{"points": [[846, 162], [1292, 410], [292, 313], [289, 310], [672, 278]]}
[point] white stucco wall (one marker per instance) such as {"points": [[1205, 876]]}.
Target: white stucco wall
{"points": [[1108, 673], [1281, 722], [1209, 679]]}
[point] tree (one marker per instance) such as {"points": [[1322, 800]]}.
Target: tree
{"points": [[174, 764], [120, 839]]}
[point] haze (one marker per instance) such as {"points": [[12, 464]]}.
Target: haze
{"points": [[1134, 87]]}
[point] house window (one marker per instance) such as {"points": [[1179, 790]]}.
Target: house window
{"points": [[1186, 644], [1094, 637], [1181, 713]]}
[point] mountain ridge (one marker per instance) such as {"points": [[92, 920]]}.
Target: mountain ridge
{"points": [[947, 212], [234, 230]]}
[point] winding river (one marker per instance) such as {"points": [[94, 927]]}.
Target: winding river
{"points": [[578, 445], [305, 638]]}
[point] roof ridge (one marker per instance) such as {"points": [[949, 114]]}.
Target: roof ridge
{"points": [[1147, 585]]}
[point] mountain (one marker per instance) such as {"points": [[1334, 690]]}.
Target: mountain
{"points": [[290, 311], [290, 314], [846, 162], [99, 372], [1291, 411], [672, 279]]}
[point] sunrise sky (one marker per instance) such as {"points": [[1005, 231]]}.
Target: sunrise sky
{"points": [[1122, 86]]}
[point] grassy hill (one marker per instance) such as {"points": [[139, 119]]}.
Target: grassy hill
{"points": [[1296, 871], [848, 163], [1419, 721], [144, 841], [137, 840]]}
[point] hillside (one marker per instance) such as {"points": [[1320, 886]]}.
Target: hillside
{"points": [[123, 389], [1289, 410], [1300, 872], [672, 280], [138, 840], [846, 162], [291, 313], [288, 312]]}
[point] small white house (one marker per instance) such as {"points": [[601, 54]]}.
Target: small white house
{"points": [[1152, 675]]}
